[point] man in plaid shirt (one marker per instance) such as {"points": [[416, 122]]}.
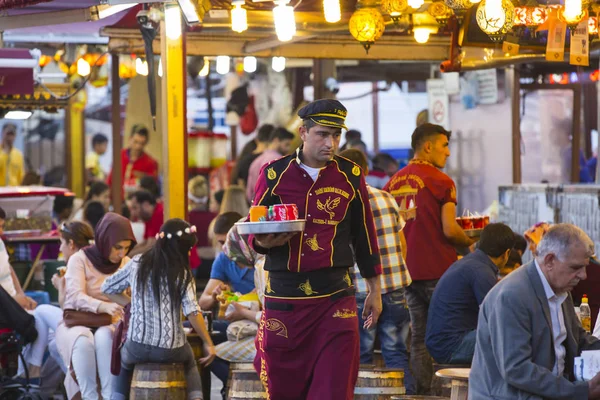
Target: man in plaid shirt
{"points": [[394, 278]]}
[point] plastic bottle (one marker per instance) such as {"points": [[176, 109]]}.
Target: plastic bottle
{"points": [[585, 314]]}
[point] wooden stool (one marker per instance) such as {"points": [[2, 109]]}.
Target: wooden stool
{"points": [[459, 381], [241, 366], [439, 386], [245, 385], [376, 383], [158, 382]]}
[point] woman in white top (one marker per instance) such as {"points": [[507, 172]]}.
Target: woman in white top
{"points": [[73, 237], [87, 353]]}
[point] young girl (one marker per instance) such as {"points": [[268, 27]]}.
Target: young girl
{"points": [[161, 285]]}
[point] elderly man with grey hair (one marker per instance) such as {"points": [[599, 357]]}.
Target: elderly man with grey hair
{"points": [[528, 333]]}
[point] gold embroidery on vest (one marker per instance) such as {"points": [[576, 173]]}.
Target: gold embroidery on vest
{"points": [[329, 206], [264, 378], [347, 279], [344, 314], [274, 325], [356, 170], [271, 174], [268, 286], [313, 243], [306, 288]]}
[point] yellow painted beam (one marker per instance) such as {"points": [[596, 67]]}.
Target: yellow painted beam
{"points": [[76, 151], [173, 100]]}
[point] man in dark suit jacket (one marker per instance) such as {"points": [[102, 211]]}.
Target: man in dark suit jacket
{"points": [[528, 333]]}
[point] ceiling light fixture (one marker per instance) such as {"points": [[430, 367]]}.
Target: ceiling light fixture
{"points": [[285, 21]]}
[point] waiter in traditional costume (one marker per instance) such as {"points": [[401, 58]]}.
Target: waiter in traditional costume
{"points": [[308, 342]]}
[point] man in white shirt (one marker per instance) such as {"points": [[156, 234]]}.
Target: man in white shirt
{"points": [[528, 333]]}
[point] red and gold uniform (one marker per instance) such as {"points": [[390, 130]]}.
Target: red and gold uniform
{"points": [[307, 343]]}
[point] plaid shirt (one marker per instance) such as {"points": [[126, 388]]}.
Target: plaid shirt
{"points": [[388, 223]]}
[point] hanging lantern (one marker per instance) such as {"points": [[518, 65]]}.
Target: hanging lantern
{"points": [[459, 6], [366, 25], [572, 13], [440, 11], [496, 21], [394, 8]]}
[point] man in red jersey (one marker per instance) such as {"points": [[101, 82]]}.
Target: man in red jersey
{"points": [[308, 341], [427, 199], [135, 162]]}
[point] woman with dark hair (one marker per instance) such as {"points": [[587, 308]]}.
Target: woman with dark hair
{"points": [[162, 285], [73, 237], [87, 352], [98, 191]]}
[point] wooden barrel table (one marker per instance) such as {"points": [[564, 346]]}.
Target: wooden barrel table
{"points": [[158, 382], [459, 378], [440, 386], [376, 383]]}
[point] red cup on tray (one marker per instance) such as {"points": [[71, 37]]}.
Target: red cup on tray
{"points": [[467, 223], [283, 212], [478, 222]]}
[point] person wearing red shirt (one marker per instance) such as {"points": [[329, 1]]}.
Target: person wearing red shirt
{"points": [[135, 163], [427, 200], [145, 208], [308, 342]]}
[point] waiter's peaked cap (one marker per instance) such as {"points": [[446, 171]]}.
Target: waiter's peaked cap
{"points": [[325, 112]]}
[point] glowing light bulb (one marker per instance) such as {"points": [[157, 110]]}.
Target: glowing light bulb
{"points": [[83, 67], [239, 17], [332, 10], [160, 71], [421, 35], [250, 64], [416, 4], [573, 10], [223, 65], [285, 21], [141, 67], [278, 64]]}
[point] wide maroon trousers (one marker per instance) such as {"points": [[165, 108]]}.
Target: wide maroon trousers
{"points": [[308, 348]]}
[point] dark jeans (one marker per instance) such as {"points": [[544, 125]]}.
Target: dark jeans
{"points": [[465, 350], [418, 297], [389, 328], [136, 353]]}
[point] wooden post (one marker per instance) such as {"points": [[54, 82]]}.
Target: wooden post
{"points": [[117, 141], [233, 130], [375, 118], [576, 138], [174, 135], [516, 124], [323, 69]]}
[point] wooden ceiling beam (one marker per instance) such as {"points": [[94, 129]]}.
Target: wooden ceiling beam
{"points": [[399, 48]]}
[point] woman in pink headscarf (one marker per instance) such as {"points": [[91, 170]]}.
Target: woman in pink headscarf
{"points": [[87, 353]]}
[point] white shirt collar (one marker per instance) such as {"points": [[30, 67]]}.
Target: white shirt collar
{"points": [[550, 295]]}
